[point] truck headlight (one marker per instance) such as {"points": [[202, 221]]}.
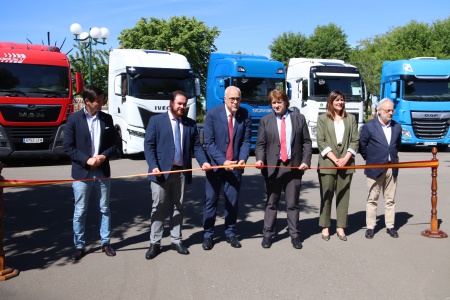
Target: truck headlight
{"points": [[406, 132]]}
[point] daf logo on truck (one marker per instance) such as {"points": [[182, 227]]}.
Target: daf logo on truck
{"points": [[431, 115]]}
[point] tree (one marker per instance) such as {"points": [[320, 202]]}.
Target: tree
{"points": [[328, 41], [188, 37], [80, 63], [288, 45]]}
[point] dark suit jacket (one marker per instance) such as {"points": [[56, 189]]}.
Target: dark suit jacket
{"points": [[326, 137], [374, 148], [78, 144], [268, 144], [159, 148], [217, 139]]}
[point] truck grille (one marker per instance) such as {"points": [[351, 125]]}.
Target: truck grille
{"points": [[430, 129], [17, 134], [30, 113]]}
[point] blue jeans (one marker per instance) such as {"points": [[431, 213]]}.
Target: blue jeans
{"points": [[82, 191]]}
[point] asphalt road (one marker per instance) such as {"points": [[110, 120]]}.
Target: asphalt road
{"points": [[38, 242]]}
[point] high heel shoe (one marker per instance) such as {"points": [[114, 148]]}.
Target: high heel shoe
{"points": [[325, 237], [341, 237]]}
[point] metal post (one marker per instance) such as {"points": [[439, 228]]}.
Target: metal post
{"points": [[5, 272]]}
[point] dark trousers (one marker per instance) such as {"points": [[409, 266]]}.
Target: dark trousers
{"points": [[231, 182], [290, 182]]}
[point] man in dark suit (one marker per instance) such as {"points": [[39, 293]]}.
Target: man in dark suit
{"points": [[170, 139], [283, 141], [380, 141], [227, 137], [91, 141]]}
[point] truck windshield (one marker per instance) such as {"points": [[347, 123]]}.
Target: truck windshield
{"points": [[350, 86], [429, 90], [254, 90], [161, 88], [34, 81]]}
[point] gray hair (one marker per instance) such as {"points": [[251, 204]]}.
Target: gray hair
{"points": [[231, 86], [380, 103]]}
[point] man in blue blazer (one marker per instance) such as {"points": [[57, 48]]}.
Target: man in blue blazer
{"points": [[379, 142], [170, 139], [227, 138], [91, 141]]}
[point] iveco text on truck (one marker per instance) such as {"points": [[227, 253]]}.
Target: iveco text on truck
{"points": [[140, 84], [310, 81], [254, 75], [35, 100], [420, 90]]}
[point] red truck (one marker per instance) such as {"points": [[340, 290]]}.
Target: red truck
{"points": [[36, 92]]}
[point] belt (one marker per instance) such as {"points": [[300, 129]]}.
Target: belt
{"points": [[176, 168]]}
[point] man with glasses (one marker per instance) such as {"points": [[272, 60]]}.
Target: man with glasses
{"points": [[227, 139], [379, 142]]}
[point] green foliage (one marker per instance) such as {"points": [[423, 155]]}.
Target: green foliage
{"points": [[288, 45], [182, 35], [328, 41], [80, 63]]}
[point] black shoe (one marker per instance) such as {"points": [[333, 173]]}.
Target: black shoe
{"points": [[78, 254], [234, 241], [266, 242], [207, 244], [392, 232], [296, 243], [181, 249], [109, 251], [153, 251], [369, 233]]}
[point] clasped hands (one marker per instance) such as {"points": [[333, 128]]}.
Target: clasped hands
{"points": [[96, 160]]}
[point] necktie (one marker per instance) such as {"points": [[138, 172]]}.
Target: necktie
{"points": [[177, 134], [229, 154], [283, 151], [93, 137]]}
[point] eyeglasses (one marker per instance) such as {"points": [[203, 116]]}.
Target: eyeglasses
{"points": [[234, 99], [388, 110]]}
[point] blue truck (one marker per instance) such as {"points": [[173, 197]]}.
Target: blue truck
{"points": [[254, 75], [420, 90]]}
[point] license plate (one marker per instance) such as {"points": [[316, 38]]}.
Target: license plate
{"points": [[430, 144], [33, 140]]}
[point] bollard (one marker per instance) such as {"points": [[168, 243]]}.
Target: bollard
{"points": [[434, 231], [5, 273]]}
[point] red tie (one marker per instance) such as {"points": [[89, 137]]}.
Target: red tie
{"points": [[283, 155], [229, 154]]}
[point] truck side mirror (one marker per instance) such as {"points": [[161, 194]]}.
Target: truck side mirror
{"points": [[197, 87], [220, 90], [289, 90]]}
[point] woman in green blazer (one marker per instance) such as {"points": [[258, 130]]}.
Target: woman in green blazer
{"points": [[337, 140]]}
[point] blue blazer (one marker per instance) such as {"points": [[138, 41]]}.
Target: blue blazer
{"points": [[77, 143], [217, 139], [159, 147], [374, 148]]}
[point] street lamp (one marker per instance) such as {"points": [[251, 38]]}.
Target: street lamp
{"points": [[90, 39]]}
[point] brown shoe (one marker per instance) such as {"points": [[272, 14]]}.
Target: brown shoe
{"points": [[109, 251], [78, 254]]}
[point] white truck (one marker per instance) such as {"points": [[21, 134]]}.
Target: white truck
{"points": [[140, 84], [309, 82]]}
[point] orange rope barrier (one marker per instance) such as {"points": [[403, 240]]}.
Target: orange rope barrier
{"points": [[412, 164]]}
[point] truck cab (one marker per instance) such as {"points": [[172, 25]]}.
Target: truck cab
{"points": [[310, 81], [140, 85], [254, 75], [420, 90]]}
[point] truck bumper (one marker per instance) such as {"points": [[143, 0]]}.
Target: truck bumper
{"points": [[13, 146]]}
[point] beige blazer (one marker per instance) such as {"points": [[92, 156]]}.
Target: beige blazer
{"points": [[326, 137]]}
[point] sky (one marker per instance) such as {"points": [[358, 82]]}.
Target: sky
{"points": [[246, 26]]}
